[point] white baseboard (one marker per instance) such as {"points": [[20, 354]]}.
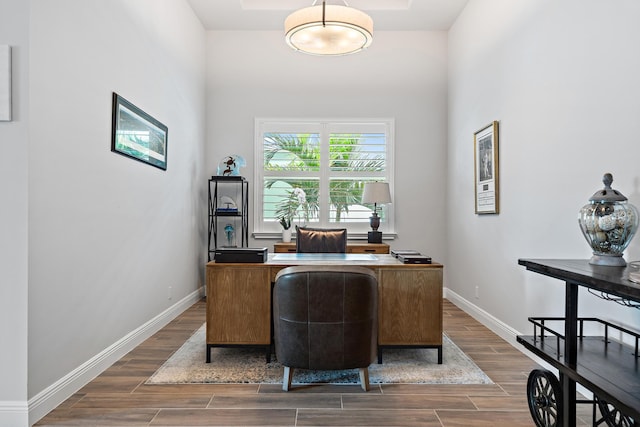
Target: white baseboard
{"points": [[14, 413], [48, 399], [503, 330]]}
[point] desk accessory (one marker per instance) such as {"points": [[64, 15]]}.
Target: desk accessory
{"points": [[375, 192], [240, 255], [414, 259], [608, 222], [397, 252]]}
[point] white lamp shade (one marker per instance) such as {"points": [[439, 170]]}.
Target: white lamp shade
{"points": [[376, 192], [344, 30]]}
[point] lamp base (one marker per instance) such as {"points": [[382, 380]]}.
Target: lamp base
{"points": [[374, 237]]}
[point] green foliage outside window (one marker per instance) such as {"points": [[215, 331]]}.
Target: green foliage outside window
{"points": [[298, 156]]}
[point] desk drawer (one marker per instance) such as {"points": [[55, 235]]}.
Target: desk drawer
{"points": [[284, 247], [369, 249]]}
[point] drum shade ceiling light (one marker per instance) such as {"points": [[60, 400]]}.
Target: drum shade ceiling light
{"points": [[328, 30]]}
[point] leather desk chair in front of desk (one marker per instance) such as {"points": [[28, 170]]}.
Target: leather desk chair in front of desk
{"points": [[317, 240], [325, 318]]}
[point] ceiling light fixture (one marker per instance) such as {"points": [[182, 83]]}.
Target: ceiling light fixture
{"points": [[328, 30]]}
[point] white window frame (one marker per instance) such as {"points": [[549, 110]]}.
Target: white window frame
{"points": [[323, 126]]}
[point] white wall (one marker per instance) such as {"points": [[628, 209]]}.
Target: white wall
{"points": [[402, 75], [14, 143], [562, 79], [109, 235]]}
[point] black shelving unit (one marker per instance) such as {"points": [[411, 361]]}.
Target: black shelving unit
{"points": [[237, 188]]}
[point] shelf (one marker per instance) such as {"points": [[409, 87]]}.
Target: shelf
{"points": [[221, 215], [227, 213], [227, 178], [611, 371]]}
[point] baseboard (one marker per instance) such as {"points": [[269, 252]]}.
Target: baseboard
{"points": [[14, 413], [503, 330], [48, 399], [500, 328]]}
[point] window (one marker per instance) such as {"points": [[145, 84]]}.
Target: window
{"points": [[313, 172]]}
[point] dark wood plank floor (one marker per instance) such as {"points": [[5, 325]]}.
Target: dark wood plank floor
{"points": [[119, 397]]}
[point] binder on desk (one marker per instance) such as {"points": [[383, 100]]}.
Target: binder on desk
{"points": [[414, 259], [397, 252]]}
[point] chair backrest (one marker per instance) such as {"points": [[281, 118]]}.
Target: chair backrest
{"points": [[330, 240], [325, 317]]}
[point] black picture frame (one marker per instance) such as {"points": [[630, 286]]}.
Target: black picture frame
{"points": [[137, 135]]}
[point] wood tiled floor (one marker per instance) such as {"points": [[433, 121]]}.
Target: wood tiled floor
{"points": [[119, 397]]}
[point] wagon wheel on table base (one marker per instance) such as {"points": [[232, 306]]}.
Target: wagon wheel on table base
{"points": [[544, 396], [612, 416]]}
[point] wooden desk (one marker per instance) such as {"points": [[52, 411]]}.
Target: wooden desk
{"points": [[352, 248], [409, 301]]}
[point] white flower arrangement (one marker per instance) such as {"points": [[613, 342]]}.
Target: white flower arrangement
{"points": [[295, 205], [300, 195], [302, 202]]}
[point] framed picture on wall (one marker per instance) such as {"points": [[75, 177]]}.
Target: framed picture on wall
{"points": [[485, 145], [137, 135]]}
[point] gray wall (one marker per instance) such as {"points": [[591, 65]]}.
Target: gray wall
{"points": [[562, 79], [108, 236], [14, 140]]}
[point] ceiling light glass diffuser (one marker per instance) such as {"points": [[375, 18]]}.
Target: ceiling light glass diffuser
{"points": [[329, 30]]}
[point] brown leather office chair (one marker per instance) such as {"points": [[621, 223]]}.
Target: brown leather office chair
{"points": [[325, 318], [321, 239]]}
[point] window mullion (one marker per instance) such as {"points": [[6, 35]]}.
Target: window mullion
{"points": [[324, 175]]}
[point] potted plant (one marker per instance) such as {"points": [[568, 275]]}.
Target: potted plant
{"points": [[295, 204], [285, 222]]}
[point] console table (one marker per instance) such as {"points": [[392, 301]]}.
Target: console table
{"points": [[352, 248], [239, 300]]}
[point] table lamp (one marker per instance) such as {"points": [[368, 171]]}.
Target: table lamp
{"points": [[376, 193]]}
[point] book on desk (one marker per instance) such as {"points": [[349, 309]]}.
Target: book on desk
{"points": [[410, 256]]}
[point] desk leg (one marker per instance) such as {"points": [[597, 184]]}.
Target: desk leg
{"points": [[570, 354]]}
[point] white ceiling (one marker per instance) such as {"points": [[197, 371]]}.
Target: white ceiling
{"points": [[388, 15]]}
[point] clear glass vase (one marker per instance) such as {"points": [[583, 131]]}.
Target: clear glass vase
{"points": [[608, 222]]}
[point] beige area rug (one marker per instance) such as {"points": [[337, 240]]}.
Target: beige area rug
{"points": [[248, 365]]}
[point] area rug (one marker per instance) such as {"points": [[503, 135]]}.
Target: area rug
{"points": [[248, 365]]}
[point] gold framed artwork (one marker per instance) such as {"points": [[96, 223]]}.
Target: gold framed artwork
{"points": [[485, 145]]}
